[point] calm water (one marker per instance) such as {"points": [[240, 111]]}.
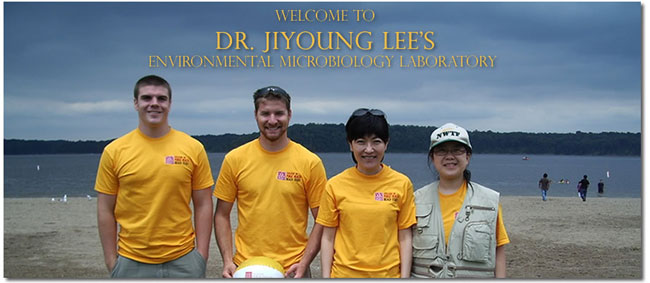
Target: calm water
{"points": [[74, 174]]}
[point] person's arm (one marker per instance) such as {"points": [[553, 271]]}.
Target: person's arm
{"points": [[405, 251], [327, 250], [202, 200], [223, 233], [500, 269], [313, 246], [107, 228]]}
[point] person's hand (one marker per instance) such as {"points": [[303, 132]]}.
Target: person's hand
{"points": [[228, 270], [297, 269], [110, 263]]}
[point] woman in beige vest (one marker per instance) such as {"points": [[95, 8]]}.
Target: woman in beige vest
{"points": [[459, 230]]}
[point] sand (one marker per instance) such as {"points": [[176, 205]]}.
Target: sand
{"points": [[560, 238]]}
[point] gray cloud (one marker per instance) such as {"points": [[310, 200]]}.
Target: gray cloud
{"points": [[561, 67]]}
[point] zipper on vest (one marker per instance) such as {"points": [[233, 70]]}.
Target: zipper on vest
{"points": [[469, 209]]}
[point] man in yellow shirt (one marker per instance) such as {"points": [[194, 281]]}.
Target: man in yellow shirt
{"points": [[145, 182], [276, 182]]}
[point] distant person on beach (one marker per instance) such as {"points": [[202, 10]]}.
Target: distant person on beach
{"points": [[601, 188], [460, 230], [145, 182], [367, 210], [582, 188], [275, 182], [544, 185]]}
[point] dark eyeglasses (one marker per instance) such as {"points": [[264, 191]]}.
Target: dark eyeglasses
{"points": [[364, 111], [270, 90], [458, 151]]}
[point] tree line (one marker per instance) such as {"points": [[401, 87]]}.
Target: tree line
{"points": [[331, 138]]}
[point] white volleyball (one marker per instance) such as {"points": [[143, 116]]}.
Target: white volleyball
{"points": [[259, 267]]}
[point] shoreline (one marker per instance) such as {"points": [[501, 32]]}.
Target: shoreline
{"points": [[562, 238]]}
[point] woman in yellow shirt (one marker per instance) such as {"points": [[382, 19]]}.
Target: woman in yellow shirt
{"points": [[459, 231], [367, 210]]}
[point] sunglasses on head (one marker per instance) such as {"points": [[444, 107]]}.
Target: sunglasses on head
{"points": [[270, 90], [364, 111]]}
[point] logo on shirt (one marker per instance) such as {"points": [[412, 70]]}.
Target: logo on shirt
{"points": [[386, 196], [177, 159], [289, 176]]}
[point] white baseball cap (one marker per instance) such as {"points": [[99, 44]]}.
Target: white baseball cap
{"points": [[449, 132]]}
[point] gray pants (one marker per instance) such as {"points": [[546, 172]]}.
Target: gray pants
{"points": [[191, 265]]}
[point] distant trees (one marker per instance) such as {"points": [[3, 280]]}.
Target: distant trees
{"points": [[331, 138], [579, 143]]}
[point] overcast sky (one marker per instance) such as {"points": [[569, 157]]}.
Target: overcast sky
{"points": [[69, 68]]}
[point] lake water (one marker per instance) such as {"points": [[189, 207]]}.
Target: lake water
{"points": [[74, 174]]}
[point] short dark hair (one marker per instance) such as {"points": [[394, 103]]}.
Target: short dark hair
{"points": [[271, 93], [367, 125], [151, 80]]}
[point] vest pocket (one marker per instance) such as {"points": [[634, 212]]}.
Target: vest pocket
{"points": [[422, 214], [425, 237], [477, 239]]}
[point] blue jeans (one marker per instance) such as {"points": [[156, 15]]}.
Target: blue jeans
{"points": [[583, 194], [544, 194]]}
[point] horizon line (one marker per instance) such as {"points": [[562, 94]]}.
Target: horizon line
{"points": [[257, 132]]}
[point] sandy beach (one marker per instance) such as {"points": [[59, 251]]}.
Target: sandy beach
{"points": [[560, 238]]}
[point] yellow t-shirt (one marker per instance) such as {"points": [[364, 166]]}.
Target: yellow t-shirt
{"points": [[274, 191], [368, 211], [153, 180], [451, 204]]}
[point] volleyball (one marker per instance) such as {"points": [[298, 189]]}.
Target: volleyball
{"points": [[259, 267]]}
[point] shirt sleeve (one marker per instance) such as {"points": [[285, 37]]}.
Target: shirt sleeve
{"points": [[106, 181], [502, 234], [226, 187], [328, 214], [315, 185], [202, 175], [406, 216]]}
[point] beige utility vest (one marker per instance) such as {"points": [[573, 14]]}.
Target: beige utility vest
{"points": [[472, 245]]}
